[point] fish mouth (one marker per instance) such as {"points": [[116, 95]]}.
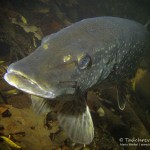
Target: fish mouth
{"points": [[22, 82]]}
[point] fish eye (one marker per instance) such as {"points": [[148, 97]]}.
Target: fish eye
{"points": [[84, 62]]}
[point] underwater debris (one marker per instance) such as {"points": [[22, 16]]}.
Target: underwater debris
{"points": [[3, 68], [3, 108], [1, 62], [6, 113], [139, 75], [10, 142], [101, 112], [24, 20], [29, 28], [11, 92]]}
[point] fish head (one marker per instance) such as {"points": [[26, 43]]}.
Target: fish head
{"points": [[51, 70], [73, 58]]}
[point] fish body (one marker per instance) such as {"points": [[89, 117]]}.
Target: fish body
{"points": [[68, 63]]}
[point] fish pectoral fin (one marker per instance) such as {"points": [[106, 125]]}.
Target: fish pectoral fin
{"points": [[40, 105], [75, 119], [122, 91]]}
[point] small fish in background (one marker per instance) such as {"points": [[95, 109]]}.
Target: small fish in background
{"points": [[90, 53]]}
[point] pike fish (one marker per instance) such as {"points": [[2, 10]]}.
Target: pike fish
{"points": [[90, 53]]}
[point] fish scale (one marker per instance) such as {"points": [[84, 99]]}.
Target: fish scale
{"points": [[91, 53]]}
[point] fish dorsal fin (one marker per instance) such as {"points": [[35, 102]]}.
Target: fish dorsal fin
{"points": [[40, 105], [75, 118]]}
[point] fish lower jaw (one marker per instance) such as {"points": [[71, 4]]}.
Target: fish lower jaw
{"points": [[26, 85]]}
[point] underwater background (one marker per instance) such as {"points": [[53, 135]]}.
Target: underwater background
{"points": [[23, 23]]}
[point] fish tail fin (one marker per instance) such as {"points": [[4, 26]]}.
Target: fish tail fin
{"points": [[75, 118]]}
